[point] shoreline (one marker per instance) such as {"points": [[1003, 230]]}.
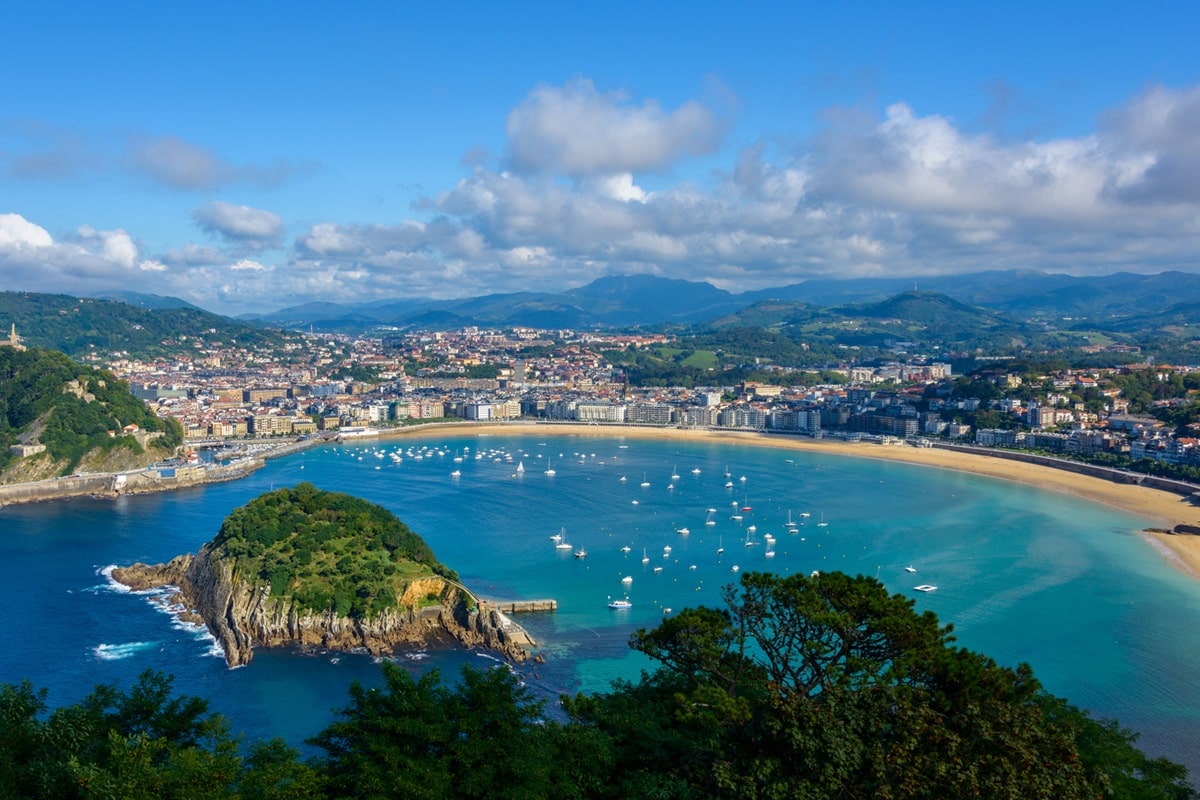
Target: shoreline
{"points": [[1166, 509]]}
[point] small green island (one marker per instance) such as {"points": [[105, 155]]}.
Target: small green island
{"points": [[318, 569]]}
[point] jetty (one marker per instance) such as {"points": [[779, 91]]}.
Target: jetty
{"points": [[521, 606]]}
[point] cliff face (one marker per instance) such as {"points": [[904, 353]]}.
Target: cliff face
{"points": [[242, 615]]}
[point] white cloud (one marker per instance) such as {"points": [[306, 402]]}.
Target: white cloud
{"points": [[577, 130], [902, 192], [16, 232], [254, 227], [246, 265]]}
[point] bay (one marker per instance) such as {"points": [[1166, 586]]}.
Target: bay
{"points": [[1024, 575]]}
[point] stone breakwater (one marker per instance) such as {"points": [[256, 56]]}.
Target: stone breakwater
{"points": [[242, 615]]}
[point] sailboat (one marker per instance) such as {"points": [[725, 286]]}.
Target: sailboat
{"points": [[675, 473], [549, 468], [520, 466], [791, 526], [709, 519], [645, 482], [720, 545], [561, 540], [822, 523], [645, 558]]}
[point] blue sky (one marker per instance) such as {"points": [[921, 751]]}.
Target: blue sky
{"points": [[246, 157]]}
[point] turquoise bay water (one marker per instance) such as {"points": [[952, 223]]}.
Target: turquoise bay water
{"points": [[1022, 574]]}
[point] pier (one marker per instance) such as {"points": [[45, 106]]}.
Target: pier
{"points": [[522, 606]]}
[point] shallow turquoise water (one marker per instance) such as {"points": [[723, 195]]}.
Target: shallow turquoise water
{"points": [[1023, 574]]}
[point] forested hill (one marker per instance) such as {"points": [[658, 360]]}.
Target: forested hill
{"points": [[325, 550], [80, 326], [78, 413]]}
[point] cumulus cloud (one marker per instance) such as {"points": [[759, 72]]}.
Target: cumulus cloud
{"points": [[86, 260], [903, 191], [18, 233], [577, 130], [254, 227]]}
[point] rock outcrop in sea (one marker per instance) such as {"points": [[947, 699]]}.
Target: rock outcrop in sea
{"points": [[243, 615]]}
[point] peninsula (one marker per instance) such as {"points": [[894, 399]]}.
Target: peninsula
{"points": [[315, 569]]}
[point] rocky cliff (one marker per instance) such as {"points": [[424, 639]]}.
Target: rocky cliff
{"points": [[243, 615]]}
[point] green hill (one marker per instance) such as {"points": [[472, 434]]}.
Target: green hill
{"points": [[82, 326], [325, 551], [79, 414]]}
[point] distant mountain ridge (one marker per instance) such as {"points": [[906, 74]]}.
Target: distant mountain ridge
{"points": [[647, 300]]}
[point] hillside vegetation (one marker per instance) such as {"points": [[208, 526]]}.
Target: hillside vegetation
{"points": [[77, 412], [326, 550], [81, 326]]}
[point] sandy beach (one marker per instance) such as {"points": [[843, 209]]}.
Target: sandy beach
{"points": [[1165, 510]]}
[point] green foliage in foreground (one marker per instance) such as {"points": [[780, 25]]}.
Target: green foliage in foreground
{"points": [[326, 550], [822, 687]]}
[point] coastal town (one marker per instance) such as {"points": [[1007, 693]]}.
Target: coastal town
{"points": [[334, 385]]}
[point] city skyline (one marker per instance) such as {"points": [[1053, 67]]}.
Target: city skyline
{"points": [[245, 160]]}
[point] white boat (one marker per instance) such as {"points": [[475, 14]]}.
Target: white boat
{"points": [[720, 545], [558, 537], [645, 558], [626, 549], [561, 540], [628, 579], [620, 604], [456, 473], [734, 568], [822, 523], [805, 514], [789, 524], [728, 484], [645, 482], [520, 466], [769, 553], [549, 469], [925, 587], [696, 471], [622, 479], [682, 531], [658, 569], [910, 568], [674, 474], [581, 553], [666, 550]]}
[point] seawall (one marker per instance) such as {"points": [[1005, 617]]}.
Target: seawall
{"points": [[153, 479]]}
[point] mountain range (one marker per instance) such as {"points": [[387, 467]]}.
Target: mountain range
{"points": [[645, 300]]}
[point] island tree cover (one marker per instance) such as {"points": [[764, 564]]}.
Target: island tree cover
{"points": [[326, 550], [47, 398], [801, 687]]}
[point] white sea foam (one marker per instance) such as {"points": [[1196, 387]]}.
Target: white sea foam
{"points": [[114, 652]]}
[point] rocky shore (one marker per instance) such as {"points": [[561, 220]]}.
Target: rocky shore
{"points": [[242, 615]]}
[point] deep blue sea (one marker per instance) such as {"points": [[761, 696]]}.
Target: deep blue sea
{"points": [[1022, 574]]}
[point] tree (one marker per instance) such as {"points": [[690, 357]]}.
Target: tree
{"points": [[827, 686]]}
